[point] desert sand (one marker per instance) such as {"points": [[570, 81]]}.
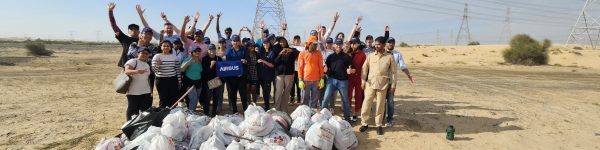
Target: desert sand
{"points": [[66, 101]]}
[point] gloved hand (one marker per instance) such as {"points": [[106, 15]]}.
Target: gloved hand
{"points": [[321, 84], [301, 84]]}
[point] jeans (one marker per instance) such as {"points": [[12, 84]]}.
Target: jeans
{"points": [[193, 97], [389, 107], [235, 85], [216, 95], [266, 92], [137, 103], [310, 93], [167, 88], [340, 86], [322, 94]]}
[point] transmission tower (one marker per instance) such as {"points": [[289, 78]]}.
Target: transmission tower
{"points": [[464, 28], [586, 28], [506, 32], [273, 8]]}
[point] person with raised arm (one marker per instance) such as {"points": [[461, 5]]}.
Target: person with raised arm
{"points": [[228, 32], [125, 40]]}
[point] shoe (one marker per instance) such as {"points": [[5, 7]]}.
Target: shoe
{"points": [[379, 130], [363, 128], [389, 124], [354, 118]]}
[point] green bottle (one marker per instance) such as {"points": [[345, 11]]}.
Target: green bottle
{"points": [[450, 132]]}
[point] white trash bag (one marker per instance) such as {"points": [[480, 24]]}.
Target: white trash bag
{"points": [[195, 122], [253, 109], [326, 113], [161, 142], [109, 144], [144, 139], [300, 126], [213, 143], [277, 137], [234, 118], [260, 124], [320, 135], [235, 146], [175, 126], [200, 136], [318, 117], [301, 111], [345, 138], [297, 143]]}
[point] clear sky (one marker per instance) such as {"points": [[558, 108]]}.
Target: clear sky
{"points": [[413, 21]]}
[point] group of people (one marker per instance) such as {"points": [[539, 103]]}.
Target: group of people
{"points": [[311, 73]]}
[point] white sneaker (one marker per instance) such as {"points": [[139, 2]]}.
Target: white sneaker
{"points": [[388, 124]]}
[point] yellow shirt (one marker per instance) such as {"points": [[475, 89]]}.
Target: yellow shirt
{"points": [[380, 70]]}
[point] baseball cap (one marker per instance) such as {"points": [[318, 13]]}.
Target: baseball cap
{"points": [[313, 32], [339, 41], [355, 40], [222, 40], [235, 37], [198, 31], [206, 40], [196, 49], [212, 46], [329, 40], [391, 40], [147, 30]]}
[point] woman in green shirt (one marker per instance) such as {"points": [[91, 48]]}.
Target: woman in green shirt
{"points": [[192, 69]]}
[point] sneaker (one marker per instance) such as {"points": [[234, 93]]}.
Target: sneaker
{"points": [[388, 124], [354, 118], [379, 130], [363, 128]]}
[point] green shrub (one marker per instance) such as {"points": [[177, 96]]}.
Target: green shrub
{"points": [[37, 49], [402, 44], [525, 50], [473, 43]]}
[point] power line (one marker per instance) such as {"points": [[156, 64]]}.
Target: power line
{"points": [[521, 6], [464, 27], [554, 16]]}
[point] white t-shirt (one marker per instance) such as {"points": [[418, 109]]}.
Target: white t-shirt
{"points": [[300, 49], [139, 83]]}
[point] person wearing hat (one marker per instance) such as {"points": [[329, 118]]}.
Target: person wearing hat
{"points": [[192, 69], [266, 72], [310, 74], [209, 72], [339, 66], [222, 48], [168, 27], [125, 40], [236, 84], [206, 40], [326, 52], [178, 49], [228, 32], [378, 77], [138, 95], [198, 38], [167, 70], [264, 33], [251, 67], [358, 58], [389, 115], [144, 43]]}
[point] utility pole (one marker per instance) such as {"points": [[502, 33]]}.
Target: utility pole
{"points": [[587, 27], [506, 33], [464, 28]]}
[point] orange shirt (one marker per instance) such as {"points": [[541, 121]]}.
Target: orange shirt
{"points": [[310, 65]]}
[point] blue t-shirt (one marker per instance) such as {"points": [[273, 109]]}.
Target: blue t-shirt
{"points": [[194, 71], [232, 55]]}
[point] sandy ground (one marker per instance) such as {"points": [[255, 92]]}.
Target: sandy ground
{"points": [[66, 102]]}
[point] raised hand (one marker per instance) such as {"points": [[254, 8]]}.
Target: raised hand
{"points": [[359, 29], [111, 6], [284, 26], [219, 15], [262, 24], [196, 16], [139, 9], [211, 17], [336, 17], [163, 15], [387, 29], [358, 19], [186, 19], [162, 32]]}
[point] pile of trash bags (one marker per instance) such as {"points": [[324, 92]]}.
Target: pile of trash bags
{"points": [[256, 129]]}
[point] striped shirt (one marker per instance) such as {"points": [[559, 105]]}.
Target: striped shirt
{"points": [[168, 68]]}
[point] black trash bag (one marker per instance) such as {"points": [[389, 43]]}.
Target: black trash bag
{"points": [[141, 123]]}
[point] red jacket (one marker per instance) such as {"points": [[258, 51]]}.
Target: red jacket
{"points": [[358, 59]]}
